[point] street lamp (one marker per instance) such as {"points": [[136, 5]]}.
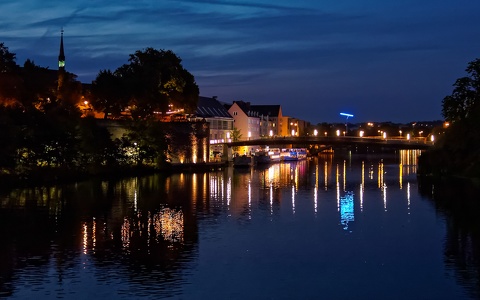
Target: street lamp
{"points": [[347, 116], [315, 132]]}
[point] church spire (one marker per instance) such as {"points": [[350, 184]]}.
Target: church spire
{"points": [[61, 55]]}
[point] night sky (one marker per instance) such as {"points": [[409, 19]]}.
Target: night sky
{"points": [[379, 60]]}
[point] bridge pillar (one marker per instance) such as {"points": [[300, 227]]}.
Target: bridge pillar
{"points": [[227, 154]]}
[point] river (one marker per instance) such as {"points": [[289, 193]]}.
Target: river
{"points": [[345, 226]]}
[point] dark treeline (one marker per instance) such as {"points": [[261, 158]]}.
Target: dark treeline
{"points": [[44, 137], [457, 152], [55, 143]]}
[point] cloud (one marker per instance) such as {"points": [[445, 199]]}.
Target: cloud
{"points": [[336, 53]]}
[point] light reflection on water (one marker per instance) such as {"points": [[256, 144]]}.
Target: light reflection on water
{"points": [[310, 226]]}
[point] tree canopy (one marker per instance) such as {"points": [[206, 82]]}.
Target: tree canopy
{"points": [[150, 82], [456, 152], [465, 96]]}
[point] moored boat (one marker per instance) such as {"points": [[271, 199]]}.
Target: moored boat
{"points": [[289, 155], [294, 154], [242, 161], [301, 153], [266, 156], [261, 157]]}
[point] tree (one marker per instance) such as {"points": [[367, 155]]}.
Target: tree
{"points": [[96, 147], [465, 96], [70, 90], [9, 77], [154, 80], [148, 138], [108, 94], [236, 136], [37, 85], [7, 60], [456, 152]]}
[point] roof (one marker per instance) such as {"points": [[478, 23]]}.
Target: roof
{"points": [[211, 108], [266, 110], [245, 106]]}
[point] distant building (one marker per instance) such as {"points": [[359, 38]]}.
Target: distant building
{"points": [[295, 127], [220, 124], [270, 119], [246, 120]]}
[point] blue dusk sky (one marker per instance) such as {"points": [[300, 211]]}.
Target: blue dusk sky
{"points": [[379, 60]]}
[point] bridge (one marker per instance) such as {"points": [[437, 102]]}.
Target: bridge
{"points": [[332, 141]]}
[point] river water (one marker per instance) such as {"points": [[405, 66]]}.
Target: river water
{"points": [[334, 227]]}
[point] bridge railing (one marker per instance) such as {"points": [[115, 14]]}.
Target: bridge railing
{"points": [[334, 140]]}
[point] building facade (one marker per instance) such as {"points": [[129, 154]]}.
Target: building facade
{"points": [[220, 124], [270, 119]]}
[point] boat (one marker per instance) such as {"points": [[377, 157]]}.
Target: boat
{"points": [[242, 161], [301, 153], [294, 154], [289, 155], [261, 157], [274, 154], [267, 156]]}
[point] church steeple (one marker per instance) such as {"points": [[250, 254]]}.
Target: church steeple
{"points": [[61, 55]]}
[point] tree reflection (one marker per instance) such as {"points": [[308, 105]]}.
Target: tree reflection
{"points": [[130, 230], [458, 201]]}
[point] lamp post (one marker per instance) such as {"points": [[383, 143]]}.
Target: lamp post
{"points": [[347, 116]]}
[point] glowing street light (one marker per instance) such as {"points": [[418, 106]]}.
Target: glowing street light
{"points": [[271, 133], [315, 132], [338, 132], [361, 133]]}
